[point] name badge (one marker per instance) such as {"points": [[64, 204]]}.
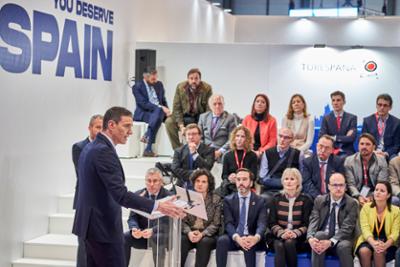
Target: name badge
{"points": [[365, 191]]}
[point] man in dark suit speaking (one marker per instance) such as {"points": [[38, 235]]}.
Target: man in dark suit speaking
{"points": [[102, 192]]}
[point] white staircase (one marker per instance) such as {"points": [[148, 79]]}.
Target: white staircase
{"points": [[58, 247]]}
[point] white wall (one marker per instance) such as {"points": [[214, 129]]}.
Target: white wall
{"points": [[42, 116], [372, 31], [194, 21], [240, 71]]}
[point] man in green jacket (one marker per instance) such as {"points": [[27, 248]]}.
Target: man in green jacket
{"points": [[190, 100]]}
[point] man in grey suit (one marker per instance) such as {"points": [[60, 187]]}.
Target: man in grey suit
{"points": [[332, 224], [216, 126]]}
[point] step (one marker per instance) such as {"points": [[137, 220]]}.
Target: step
{"points": [[52, 247], [132, 182], [139, 166], [30, 262], [61, 223]]}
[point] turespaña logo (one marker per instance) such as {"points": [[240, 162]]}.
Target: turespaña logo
{"points": [[370, 66]]}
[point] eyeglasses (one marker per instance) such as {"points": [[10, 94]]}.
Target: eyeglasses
{"points": [[338, 185], [285, 137]]}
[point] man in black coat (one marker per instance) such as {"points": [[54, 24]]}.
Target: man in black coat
{"points": [[144, 232], [95, 126], [102, 192]]}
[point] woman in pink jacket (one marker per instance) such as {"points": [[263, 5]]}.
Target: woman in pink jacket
{"points": [[261, 124]]}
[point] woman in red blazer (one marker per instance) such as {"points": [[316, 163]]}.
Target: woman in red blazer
{"points": [[261, 124]]}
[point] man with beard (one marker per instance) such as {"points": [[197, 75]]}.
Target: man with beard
{"points": [[245, 217], [190, 100], [151, 107], [364, 169], [384, 127]]}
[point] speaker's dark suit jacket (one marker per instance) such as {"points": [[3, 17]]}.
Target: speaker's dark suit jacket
{"points": [[311, 173], [348, 122], [181, 163], [256, 219], [391, 136], [101, 194], [143, 105], [76, 152]]}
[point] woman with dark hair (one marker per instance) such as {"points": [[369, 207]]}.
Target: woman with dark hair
{"points": [[240, 156], [380, 224], [198, 233], [300, 122], [288, 219], [261, 124]]}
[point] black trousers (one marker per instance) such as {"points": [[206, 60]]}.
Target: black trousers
{"points": [[203, 250], [142, 243], [104, 254], [225, 244], [285, 252]]}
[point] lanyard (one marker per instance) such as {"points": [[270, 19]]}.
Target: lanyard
{"points": [[378, 231], [365, 171], [240, 164], [380, 126]]}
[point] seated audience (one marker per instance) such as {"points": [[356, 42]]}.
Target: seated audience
{"points": [[274, 161], [394, 175], [95, 126], [288, 219], [198, 233], [245, 218], [319, 167], [261, 124], [151, 107], [194, 155], [144, 232], [364, 169], [380, 223], [384, 127], [190, 100], [332, 224], [216, 126], [341, 125], [300, 122], [240, 156]]}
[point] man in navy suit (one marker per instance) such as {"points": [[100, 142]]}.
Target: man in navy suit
{"points": [[151, 106], [245, 217], [102, 192], [194, 155], [144, 232], [341, 125], [384, 127], [319, 167], [95, 126]]}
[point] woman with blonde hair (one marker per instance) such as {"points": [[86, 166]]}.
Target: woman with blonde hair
{"points": [[240, 156], [288, 219], [300, 122]]}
